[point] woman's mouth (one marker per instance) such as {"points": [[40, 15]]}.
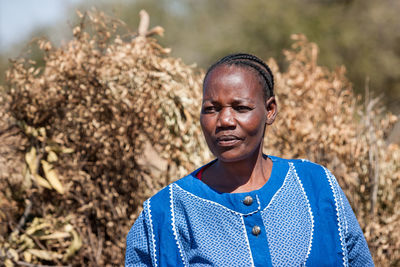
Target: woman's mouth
{"points": [[228, 140]]}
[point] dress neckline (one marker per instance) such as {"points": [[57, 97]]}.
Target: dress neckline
{"points": [[234, 201]]}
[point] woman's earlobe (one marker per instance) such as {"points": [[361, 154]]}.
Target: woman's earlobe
{"points": [[272, 110]]}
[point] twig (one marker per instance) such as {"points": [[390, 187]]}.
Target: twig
{"points": [[373, 151], [144, 23], [89, 233], [99, 250], [23, 263], [37, 242], [6, 130], [22, 220], [27, 211], [96, 253]]}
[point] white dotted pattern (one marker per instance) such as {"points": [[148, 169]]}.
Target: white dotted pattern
{"points": [[289, 223], [137, 245], [208, 233]]}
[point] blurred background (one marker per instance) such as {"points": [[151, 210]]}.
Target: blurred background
{"points": [[362, 35]]}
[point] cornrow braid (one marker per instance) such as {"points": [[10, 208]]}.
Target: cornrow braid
{"points": [[270, 79], [253, 62]]}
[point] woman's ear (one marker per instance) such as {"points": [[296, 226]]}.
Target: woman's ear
{"points": [[272, 109]]}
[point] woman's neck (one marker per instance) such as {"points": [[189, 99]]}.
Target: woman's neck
{"points": [[239, 176]]}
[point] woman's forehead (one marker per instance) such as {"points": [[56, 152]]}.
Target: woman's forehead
{"points": [[231, 80]]}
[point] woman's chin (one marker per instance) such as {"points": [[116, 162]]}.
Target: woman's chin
{"points": [[237, 153], [232, 155]]}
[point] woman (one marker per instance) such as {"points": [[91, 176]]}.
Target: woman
{"points": [[246, 208]]}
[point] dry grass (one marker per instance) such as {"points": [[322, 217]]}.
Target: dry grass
{"points": [[321, 119], [111, 118]]}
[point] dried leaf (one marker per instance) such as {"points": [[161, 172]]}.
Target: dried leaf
{"points": [[55, 235], [44, 254], [52, 156], [30, 158], [42, 182], [76, 244], [52, 177]]}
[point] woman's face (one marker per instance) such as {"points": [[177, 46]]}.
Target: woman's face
{"points": [[234, 112]]}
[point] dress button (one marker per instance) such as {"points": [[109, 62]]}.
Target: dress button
{"points": [[248, 200], [256, 230]]}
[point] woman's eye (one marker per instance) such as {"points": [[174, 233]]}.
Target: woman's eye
{"points": [[209, 109], [243, 108]]}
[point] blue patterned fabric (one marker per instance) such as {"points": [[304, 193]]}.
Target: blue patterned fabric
{"points": [[290, 223], [304, 217]]}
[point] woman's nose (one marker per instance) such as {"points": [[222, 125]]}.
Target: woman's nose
{"points": [[225, 118]]}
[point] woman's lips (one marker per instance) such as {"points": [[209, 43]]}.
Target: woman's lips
{"points": [[228, 140]]}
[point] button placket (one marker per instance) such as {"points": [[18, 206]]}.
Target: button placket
{"points": [[255, 230]]}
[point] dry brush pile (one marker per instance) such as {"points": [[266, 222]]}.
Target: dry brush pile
{"points": [[322, 120], [79, 129], [111, 118]]}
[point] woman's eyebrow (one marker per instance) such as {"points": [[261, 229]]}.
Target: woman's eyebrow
{"points": [[243, 100], [238, 99], [208, 100]]}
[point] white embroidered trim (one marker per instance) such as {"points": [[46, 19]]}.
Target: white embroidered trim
{"points": [[280, 188], [339, 211], [153, 240], [309, 211], [217, 204], [346, 226], [173, 225], [247, 241]]}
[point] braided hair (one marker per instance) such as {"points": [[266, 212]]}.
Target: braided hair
{"points": [[253, 62]]}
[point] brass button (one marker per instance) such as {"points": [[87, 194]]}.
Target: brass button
{"points": [[248, 200], [256, 230]]}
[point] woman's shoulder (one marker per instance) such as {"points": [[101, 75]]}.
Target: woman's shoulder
{"points": [[163, 197], [303, 164], [309, 173]]}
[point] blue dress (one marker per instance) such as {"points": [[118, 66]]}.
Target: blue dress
{"points": [[299, 217]]}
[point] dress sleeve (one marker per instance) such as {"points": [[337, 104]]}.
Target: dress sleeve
{"points": [[357, 249], [137, 244]]}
